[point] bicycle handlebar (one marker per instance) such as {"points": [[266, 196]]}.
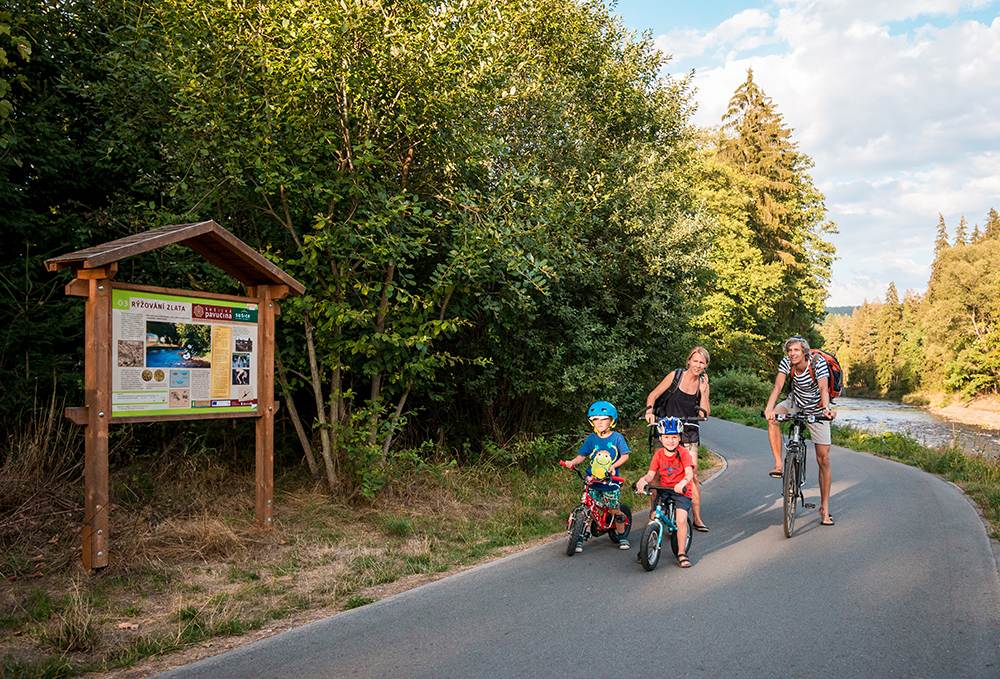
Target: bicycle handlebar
{"points": [[802, 417], [613, 479], [692, 421], [650, 487]]}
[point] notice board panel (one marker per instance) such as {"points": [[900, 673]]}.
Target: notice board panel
{"points": [[175, 354]]}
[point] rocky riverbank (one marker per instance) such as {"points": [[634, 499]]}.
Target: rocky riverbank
{"points": [[981, 412]]}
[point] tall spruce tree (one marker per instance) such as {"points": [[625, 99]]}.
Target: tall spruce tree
{"points": [[940, 245], [962, 232], [992, 229], [941, 241], [888, 333], [786, 215]]}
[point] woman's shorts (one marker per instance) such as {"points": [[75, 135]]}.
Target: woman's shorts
{"points": [[680, 501], [819, 432], [689, 436]]}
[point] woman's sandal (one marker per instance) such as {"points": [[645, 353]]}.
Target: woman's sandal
{"points": [[683, 561], [775, 473], [700, 527]]}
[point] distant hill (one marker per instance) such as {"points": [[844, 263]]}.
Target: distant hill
{"points": [[840, 310]]}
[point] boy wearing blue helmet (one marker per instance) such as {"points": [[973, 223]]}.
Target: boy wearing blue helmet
{"points": [[673, 469], [605, 450]]}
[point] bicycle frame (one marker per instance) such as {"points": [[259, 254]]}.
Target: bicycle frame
{"points": [[794, 467], [597, 513], [665, 520]]}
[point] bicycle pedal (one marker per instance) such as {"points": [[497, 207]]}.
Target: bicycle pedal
{"points": [[809, 505]]}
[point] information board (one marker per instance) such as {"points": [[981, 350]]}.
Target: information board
{"points": [[179, 355]]}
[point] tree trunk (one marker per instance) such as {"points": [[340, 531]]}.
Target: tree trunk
{"points": [[317, 384], [296, 419], [395, 419]]}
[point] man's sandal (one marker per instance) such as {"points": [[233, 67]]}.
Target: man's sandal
{"points": [[700, 527], [683, 561], [775, 473]]}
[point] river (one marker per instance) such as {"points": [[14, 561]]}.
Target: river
{"points": [[878, 416]]}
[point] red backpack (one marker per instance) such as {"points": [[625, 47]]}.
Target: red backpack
{"points": [[835, 382]]}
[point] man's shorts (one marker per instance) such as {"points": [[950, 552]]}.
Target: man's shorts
{"points": [[819, 432]]}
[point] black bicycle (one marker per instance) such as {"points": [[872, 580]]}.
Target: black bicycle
{"points": [[793, 473]]}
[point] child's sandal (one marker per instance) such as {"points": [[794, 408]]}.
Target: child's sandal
{"points": [[683, 561]]}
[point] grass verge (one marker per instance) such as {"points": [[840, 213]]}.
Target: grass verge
{"points": [[977, 475]]}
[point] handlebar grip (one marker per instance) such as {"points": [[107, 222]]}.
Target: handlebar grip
{"points": [[564, 464], [618, 479]]}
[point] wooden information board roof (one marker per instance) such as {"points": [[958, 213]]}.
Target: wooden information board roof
{"points": [[208, 239]]}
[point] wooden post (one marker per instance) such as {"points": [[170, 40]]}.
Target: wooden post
{"points": [[265, 404], [97, 387]]}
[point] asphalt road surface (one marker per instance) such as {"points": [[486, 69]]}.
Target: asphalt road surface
{"points": [[904, 585]]}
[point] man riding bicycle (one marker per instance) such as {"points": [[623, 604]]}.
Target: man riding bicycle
{"points": [[809, 395]]}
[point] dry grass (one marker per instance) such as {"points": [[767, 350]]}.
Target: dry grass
{"points": [[75, 627], [187, 564]]}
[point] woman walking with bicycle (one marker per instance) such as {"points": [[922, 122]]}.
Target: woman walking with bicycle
{"points": [[684, 393], [808, 394]]}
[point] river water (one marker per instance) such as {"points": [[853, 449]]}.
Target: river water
{"points": [[878, 416]]}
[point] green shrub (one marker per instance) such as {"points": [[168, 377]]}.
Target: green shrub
{"points": [[740, 388], [529, 454]]}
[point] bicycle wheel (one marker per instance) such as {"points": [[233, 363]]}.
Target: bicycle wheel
{"points": [[790, 490], [612, 533], [578, 522], [649, 548]]}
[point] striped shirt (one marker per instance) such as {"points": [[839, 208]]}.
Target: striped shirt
{"points": [[804, 389]]}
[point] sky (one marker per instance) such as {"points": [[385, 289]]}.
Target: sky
{"points": [[896, 102]]}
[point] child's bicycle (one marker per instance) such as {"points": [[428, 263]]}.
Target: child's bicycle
{"points": [[592, 519], [664, 521]]}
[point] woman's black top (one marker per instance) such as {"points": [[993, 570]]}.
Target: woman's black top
{"points": [[679, 403]]}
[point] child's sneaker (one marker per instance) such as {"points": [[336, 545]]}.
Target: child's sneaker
{"points": [[623, 543], [579, 546]]}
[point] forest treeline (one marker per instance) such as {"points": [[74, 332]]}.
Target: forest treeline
{"points": [[946, 340], [500, 208]]}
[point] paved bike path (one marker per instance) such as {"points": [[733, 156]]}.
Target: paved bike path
{"points": [[905, 585]]}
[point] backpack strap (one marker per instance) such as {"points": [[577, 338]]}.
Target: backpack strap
{"points": [[661, 400], [676, 383], [812, 368]]}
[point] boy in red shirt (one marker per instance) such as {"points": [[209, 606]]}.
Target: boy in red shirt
{"points": [[674, 470]]}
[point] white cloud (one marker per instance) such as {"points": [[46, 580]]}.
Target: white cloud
{"points": [[739, 33], [900, 118]]}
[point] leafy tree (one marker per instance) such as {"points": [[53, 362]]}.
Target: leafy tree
{"points": [[15, 52], [963, 323], [484, 199]]}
